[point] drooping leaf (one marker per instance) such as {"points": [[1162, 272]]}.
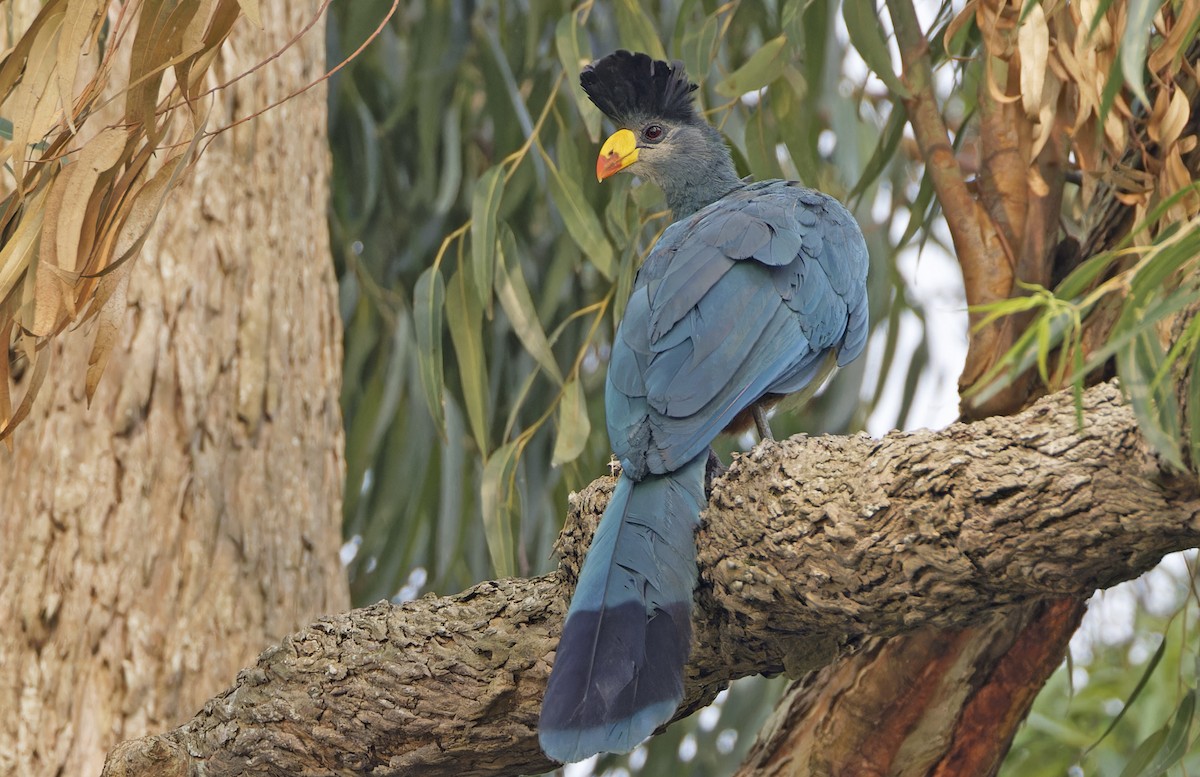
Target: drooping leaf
{"points": [[884, 153], [698, 45], [429, 299], [485, 202], [580, 219], [497, 496], [1175, 745], [638, 29], [574, 426], [862, 22], [570, 44], [1138, 29], [1151, 665], [464, 314], [113, 291], [253, 11], [765, 66], [514, 297]]}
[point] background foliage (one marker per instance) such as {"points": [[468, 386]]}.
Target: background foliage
{"points": [[482, 270], [466, 205]]}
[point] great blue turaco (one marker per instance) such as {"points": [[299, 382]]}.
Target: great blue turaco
{"points": [[755, 292]]}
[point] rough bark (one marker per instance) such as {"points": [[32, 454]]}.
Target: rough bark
{"points": [[810, 547], [1001, 663], [156, 541]]}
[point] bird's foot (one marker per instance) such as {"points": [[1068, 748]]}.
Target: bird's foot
{"points": [[760, 423], [712, 471]]}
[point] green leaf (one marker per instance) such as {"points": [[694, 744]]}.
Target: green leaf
{"points": [[1138, 29], [762, 68], [862, 22], [698, 46], [636, 29], [618, 218], [1140, 760], [497, 497], [1112, 86], [1193, 400], [885, 150], [1137, 689], [574, 426], [465, 317], [581, 221], [1082, 276], [429, 297], [485, 202], [572, 56], [1156, 409], [518, 305], [762, 138], [1175, 746], [1152, 277], [1043, 349]]}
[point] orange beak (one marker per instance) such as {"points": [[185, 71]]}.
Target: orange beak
{"points": [[617, 153]]}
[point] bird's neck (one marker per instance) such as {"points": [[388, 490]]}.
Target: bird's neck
{"points": [[705, 177]]}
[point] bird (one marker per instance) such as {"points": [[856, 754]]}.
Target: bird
{"points": [[756, 291]]}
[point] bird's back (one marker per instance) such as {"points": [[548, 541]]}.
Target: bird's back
{"points": [[753, 296]]}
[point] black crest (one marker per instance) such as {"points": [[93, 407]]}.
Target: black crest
{"points": [[627, 86]]}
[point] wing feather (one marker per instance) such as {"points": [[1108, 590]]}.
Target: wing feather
{"points": [[753, 295]]}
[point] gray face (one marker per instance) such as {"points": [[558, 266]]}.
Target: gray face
{"points": [[669, 151], [688, 160]]}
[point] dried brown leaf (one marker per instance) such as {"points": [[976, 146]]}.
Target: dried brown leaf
{"points": [[1047, 111], [39, 363], [1167, 56], [98, 156], [81, 23], [17, 252], [6, 324], [253, 11], [1033, 43], [13, 63], [1167, 122], [32, 105], [995, 91], [112, 296], [1175, 177], [156, 47], [965, 16]]}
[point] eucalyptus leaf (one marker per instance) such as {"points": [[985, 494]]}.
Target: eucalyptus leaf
{"points": [[429, 298], [1138, 29], [485, 202], [574, 426], [581, 220], [866, 33], [464, 314], [762, 68], [517, 303], [497, 496]]}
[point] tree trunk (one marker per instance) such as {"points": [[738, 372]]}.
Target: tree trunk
{"points": [[157, 541]]}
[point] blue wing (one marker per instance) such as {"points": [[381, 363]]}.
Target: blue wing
{"points": [[753, 295]]}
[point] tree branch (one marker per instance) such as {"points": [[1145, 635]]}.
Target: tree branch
{"points": [[809, 546]]}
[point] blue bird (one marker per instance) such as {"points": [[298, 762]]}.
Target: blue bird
{"points": [[755, 292]]}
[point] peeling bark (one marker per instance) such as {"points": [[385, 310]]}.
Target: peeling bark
{"points": [[810, 547]]}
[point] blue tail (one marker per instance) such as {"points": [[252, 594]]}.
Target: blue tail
{"points": [[618, 674]]}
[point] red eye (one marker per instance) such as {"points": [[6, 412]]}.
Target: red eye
{"points": [[653, 133]]}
